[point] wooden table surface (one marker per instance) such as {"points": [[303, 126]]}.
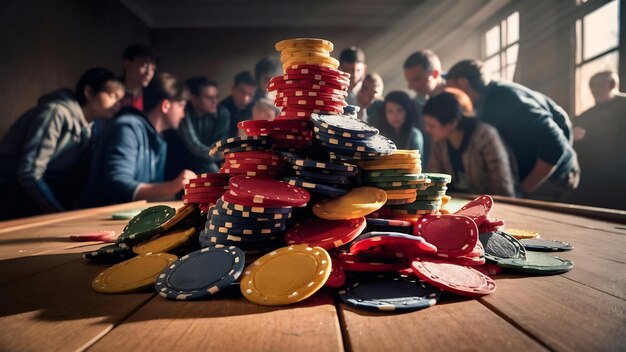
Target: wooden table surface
{"points": [[48, 303]]}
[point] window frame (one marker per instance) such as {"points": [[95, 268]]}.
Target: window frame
{"points": [[502, 24]]}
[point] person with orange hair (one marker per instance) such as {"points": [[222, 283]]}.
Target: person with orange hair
{"points": [[469, 150]]}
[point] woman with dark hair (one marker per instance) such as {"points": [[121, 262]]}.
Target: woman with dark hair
{"points": [[469, 150], [44, 155], [399, 122]]}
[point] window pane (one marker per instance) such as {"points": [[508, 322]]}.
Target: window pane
{"points": [[492, 41], [584, 99], [600, 30], [493, 66], [512, 28], [511, 54]]}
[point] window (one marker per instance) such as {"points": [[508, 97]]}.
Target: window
{"points": [[501, 46], [597, 44]]}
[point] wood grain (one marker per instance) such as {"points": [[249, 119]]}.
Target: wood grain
{"points": [[228, 324]]}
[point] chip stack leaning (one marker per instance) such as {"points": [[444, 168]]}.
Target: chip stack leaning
{"points": [[311, 82]]}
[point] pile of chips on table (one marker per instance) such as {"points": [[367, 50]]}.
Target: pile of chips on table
{"points": [[318, 198]]}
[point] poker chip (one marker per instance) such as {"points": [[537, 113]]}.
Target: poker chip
{"points": [[521, 234], [393, 242], [539, 264], [501, 247], [97, 236], [166, 242], [125, 214], [251, 211], [337, 276], [181, 213], [236, 144], [327, 166], [286, 275], [453, 235], [477, 210], [134, 274], [358, 202], [108, 254], [327, 234], [434, 177], [145, 225], [348, 127], [287, 43], [201, 274], [458, 279], [314, 187], [390, 293], [540, 245], [350, 262], [268, 192]]}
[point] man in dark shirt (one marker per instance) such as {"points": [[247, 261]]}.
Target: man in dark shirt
{"points": [[239, 103], [537, 130], [139, 67], [352, 61], [205, 123], [129, 160], [422, 71], [264, 70]]}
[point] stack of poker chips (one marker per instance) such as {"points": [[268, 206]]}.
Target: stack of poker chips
{"points": [[263, 163], [286, 134], [324, 179], [311, 83], [428, 199], [205, 189], [253, 214], [349, 140], [398, 174]]}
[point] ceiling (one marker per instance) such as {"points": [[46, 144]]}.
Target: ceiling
{"points": [[270, 13]]}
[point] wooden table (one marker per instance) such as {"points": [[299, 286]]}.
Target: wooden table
{"points": [[48, 304]]}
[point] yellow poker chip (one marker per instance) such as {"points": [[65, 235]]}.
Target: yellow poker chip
{"points": [[181, 213], [522, 234], [401, 191], [134, 274], [165, 243], [445, 200], [331, 61], [302, 55], [297, 42], [356, 203], [286, 275]]}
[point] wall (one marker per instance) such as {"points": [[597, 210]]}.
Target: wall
{"points": [[49, 44], [220, 53]]}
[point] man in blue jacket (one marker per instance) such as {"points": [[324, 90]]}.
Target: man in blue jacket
{"points": [[537, 130], [129, 162]]}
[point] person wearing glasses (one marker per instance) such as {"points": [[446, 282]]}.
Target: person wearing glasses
{"points": [[239, 103], [205, 123]]}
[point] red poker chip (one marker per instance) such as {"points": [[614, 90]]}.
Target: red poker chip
{"points": [[315, 77], [317, 67], [199, 198], [351, 262], [489, 269], [269, 193], [327, 234], [453, 235], [271, 125], [490, 225], [337, 276], [209, 177], [303, 84], [467, 261], [454, 278], [199, 184], [263, 162], [309, 101], [478, 209], [295, 92], [394, 245], [326, 96], [97, 236], [326, 71], [478, 250], [260, 173], [205, 191], [249, 167]]}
